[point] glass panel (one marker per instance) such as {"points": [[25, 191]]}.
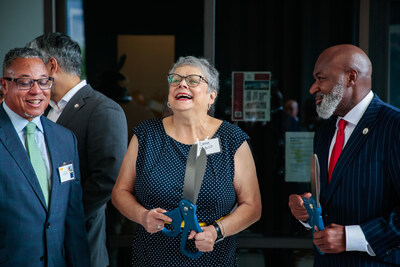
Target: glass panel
{"points": [[394, 64], [394, 54], [76, 27]]}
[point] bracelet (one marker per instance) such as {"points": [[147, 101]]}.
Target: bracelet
{"points": [[220, 237], [223, 228]]}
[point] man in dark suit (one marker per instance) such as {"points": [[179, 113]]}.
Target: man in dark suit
{"points": [[99, 125], [360, 193], [41, 213]]}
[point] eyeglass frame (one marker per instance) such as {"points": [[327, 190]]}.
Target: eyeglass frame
{"points": [[33, 83], [185, 77]]}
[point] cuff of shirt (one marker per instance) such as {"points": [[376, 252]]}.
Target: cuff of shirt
{"points": [[306, 225], [356, 241]]}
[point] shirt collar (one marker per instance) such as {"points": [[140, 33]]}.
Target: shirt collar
{"points": [[355, 114], [67, 97], [20, 123]]}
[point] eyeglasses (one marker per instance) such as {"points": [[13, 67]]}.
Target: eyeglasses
{"points": [[192, 80], [27, 83]]}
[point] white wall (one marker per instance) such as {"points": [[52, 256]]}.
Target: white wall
{"points": [[20, 22]]}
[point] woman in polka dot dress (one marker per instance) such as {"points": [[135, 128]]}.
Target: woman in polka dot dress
{"points": [[151, 178]]}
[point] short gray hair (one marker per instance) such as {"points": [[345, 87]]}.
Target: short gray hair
{"points": [[19, 52], [60, 46], [202, 64]]}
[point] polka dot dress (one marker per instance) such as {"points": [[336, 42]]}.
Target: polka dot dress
{"points": [[159, 182]]}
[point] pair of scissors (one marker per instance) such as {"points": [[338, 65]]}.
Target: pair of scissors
{"points": [[312, 205], [186, 210]]}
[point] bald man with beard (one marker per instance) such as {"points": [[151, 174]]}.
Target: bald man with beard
{"points": [[360, 191]]}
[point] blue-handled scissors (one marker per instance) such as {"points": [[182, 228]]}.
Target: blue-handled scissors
{"points": [[185, 213], [312, 205]]}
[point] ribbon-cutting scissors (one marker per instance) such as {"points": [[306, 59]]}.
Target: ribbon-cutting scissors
{"points": [[312, 205], [186, 211]]}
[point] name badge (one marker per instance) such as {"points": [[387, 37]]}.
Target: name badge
{"points": [[66, 171], [210, 146]]}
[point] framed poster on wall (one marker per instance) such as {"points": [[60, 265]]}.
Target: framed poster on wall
{"points": [[251, 93]]}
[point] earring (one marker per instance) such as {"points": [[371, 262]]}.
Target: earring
{"points": [[168, 105], [208, 106]]}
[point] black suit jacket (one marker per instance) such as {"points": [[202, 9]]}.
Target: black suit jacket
{"points": [[365, 185], [100, 127]]}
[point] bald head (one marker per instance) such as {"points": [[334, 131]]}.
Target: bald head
{"points": [[292, 108], [346, 57]]}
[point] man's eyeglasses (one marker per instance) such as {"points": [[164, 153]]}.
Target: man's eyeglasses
{"points": [[192, 80], [27, 83]]}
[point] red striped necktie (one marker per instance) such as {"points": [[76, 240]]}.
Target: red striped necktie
{"points": [[337, 148]]}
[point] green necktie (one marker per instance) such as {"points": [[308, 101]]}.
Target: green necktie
{"points": [[37, 160]]}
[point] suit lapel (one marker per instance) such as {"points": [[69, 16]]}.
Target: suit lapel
{"points": [[323, 154], [12, 142], [74, 105], [354, 144], [52, 147]]}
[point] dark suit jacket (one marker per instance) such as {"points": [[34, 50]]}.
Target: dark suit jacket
{"points": [[31, 233], [365, 185], [100, 127]]}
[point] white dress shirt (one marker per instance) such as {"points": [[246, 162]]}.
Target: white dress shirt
{"points": [[19, 124], [57, 108], [355, 238]]}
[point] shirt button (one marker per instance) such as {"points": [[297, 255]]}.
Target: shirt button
{"points": [[42, 258], [48, 225]]}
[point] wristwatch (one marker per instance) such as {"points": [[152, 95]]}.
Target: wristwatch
{"points": [[220, 237]]}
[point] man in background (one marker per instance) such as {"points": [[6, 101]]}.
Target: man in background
{"points": [[99, 125], [41, 214], [292, 108]]}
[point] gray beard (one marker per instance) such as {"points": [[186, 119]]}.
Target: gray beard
{"points": [[330, 102]]}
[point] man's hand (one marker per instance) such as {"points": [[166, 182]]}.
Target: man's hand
{"points": [[332, 239], [296, 205]]}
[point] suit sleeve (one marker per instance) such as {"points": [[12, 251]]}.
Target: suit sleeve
{"points": [[383, 233], [106, 147], [76, 243]]}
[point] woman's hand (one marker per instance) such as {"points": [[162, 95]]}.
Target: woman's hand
{"points": [[154, 220], [205, 240]]}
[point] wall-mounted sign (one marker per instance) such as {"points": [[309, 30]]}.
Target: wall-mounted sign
{"points": [[298, 150], [251, 93]]}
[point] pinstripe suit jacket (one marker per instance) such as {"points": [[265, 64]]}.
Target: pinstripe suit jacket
{"points": [[32, 234], [365, 185]]}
